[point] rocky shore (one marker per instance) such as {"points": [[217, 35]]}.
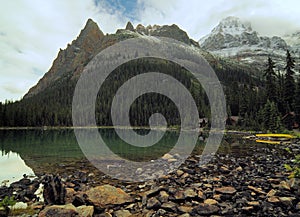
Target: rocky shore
{"points": [[230, 185]]}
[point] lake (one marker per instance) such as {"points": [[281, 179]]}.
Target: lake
{"points": [[36, 152]]}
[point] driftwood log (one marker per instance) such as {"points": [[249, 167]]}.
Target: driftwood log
{"points": [[54, 190]]}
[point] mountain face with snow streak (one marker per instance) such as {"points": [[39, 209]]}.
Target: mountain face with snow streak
{"points": [[235, 39], [293, 40]]}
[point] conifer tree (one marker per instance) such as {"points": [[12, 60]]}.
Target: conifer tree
{"points": [[270, 76], [280, 93], [289, 82], [270, 117], [297, 101]]}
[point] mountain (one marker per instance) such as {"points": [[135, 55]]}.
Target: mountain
{"points": [[235, 39], [169, 31], [91, 40], [293, 40], [49, 102], [73, 58]]}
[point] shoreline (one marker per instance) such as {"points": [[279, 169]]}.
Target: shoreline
{"points": [[249, 185], [173, 128], [86, 127]]}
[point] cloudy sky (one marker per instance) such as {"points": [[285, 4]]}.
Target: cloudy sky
{"points": [[31, 32]]}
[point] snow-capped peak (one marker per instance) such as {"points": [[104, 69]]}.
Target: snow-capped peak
{"points": [[293, 39], [232, 26], [235, 38]]}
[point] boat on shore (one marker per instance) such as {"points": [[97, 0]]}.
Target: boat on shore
{"points": [[268, 141], [271, 138], [276, 135]]}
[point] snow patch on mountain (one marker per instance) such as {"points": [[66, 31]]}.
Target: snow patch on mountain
{"points": [[235, 39]]}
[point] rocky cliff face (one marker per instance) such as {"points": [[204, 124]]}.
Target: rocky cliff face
{"points": [[236, 39], [172, 31], [232, 33], [293, 40], [70, 62]]}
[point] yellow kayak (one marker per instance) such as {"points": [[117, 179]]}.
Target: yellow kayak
{"points": [[268, 141], [276, 135]]}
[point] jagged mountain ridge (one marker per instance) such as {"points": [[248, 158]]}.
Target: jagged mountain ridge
{"points": [[73, 58], [236, 39], [294, 41], [70, 62]]}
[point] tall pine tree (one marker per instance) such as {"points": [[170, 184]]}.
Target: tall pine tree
{"points": [[280, 93], [297, 101], [289, 82], [270, 76], [270, 117]]}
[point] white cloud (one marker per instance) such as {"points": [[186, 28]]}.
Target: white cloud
{"points": [[198, 17], [32, 33]]}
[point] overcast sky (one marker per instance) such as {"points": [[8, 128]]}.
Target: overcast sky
{"points": [[31, 32]]}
